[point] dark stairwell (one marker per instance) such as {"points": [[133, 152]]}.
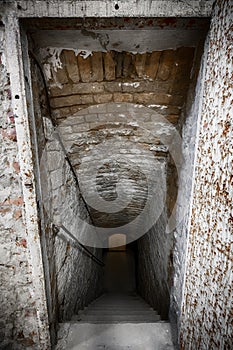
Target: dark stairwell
{"points": [[107, 134]]}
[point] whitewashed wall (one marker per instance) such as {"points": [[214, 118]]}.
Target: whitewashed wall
{"points": [[206, 306]]}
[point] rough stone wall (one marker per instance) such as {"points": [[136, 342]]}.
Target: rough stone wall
{"points": [[78, 278], [75, 279], [206, 312], [132, 144], [154, 267], [19, 324]]}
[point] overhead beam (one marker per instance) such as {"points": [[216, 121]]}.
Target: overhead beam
{"points": [[109, 8]]}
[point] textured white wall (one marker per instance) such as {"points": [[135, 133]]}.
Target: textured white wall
{"points": [[205, 318], [23, 304], [106, 8], [182, 215]]}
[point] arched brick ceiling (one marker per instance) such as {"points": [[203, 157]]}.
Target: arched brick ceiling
{"points": [[121, 163], [159, 80], [117, 113]]}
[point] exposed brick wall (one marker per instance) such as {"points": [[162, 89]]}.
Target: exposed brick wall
{"points": [[206, 312], [74, 278], [158, 80], [154, 267], [19, 322]]}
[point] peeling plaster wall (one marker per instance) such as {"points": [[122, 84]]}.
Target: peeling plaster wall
{"points": [[20, 325], [206, 308]]}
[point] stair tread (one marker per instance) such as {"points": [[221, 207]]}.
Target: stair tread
{"points": [[117, 312], [118, 306], [117, 309], [120, 316]]}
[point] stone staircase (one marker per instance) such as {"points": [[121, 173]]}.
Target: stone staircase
{"points": [[116, 322], [113, 308]]}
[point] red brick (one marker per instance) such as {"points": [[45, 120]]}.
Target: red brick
{"points": [[16, 167], [121, 97], [71, 100], [4, 210], [127, 65], [104, 98], [97, 66], [140, 61], [154, 98], [85, 68], [9, 134], [119, 64], [12, 201], [71, 63], [152, 65], [109, 66], [166, 64], [17, 214], [60, 76], [173, 118]]}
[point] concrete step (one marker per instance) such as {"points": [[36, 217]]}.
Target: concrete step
{"points": [[119, 306], [110, 302], [117, 318], [117, 312], [111, 308], [128, 336]]}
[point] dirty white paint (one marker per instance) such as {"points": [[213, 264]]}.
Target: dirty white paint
{"points": [[52, 58], [158, 106], [206, 308], [134, 84], [183, 210], [105, 40], [19, 103], [106, 8]]}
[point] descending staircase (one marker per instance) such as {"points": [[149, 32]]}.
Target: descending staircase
{"points": [[116, 322], [114, 308]]}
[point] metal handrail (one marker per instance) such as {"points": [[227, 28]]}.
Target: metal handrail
{"points": [[89, 253]]}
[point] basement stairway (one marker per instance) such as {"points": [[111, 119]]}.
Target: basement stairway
{"points": [[116, 322]]}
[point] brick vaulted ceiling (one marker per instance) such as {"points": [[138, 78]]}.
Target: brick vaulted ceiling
{"points": [[104, 86], [158, 80]]}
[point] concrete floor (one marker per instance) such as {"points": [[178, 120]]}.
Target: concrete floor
{"points": [[147, 336]]}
